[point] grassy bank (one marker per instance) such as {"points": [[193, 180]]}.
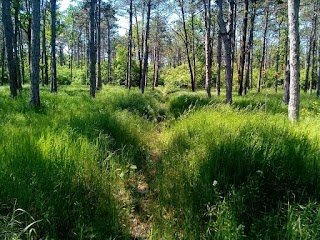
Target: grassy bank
{"points": [[70, 169]]}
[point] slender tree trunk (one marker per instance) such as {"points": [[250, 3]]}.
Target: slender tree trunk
{"points": [[219, 58], [208, 50], [231, 33], [35, 54], [156, 56], [8, 32], [193, 46], [286, 86], [99, 83], [3, 55], [138, 43], [226, 37], [243, 48], [248, 81], [146, 50], [54, 85], [92, 49], [278, 58], [129, 59], [16, 43], [312, 80], [308, 61], [318, 80], [22, 58], [294, 101], [262, 61], [186, 43], [44, 60], [109, 51]]}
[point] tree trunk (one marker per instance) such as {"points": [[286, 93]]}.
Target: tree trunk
{"points": [[243, 48], [262, 61], [248, 81], [54, 85], [286, 87], [99, 83], [8, 32], [186, 43], [294, 101], [109, 52], [35, 54], [129, 59], [312, 80], [3, 55], [22, 59], [16, 43], [219, 58], [226, 37], [44, 60], [318, 80], [156, 56], [92, 49], [193, 47], [208, 50], [146, 50], [278, 58]]}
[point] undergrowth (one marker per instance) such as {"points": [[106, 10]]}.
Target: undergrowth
{"points": [[214, 171]]}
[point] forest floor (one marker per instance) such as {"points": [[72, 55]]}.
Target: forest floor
{"points": [[169, 164]]}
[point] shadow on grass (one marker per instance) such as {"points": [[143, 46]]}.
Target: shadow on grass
{"points": [[68, 198]]}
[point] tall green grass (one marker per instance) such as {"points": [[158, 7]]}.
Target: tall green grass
{"points": [[227, 174], [67, 163]]}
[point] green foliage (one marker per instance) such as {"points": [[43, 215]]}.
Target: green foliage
{"points": [[180, 76], [64, 75], [120, 67]]}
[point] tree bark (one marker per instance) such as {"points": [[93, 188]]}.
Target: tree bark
{"points": [[44, 60], [313, 63], [92, 49], [226, 37], [219, 58], [99, 82], [8, 32], [54, 85], [146, 50], [187, 43], [129, 59], [3, 55], [243, 48], [16, 43], [248, 81], [262, 61], [208, 50], [294, 101], [286, 87], [109, 50], [318, 80], [35, 54]]}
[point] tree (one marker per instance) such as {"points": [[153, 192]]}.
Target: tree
{"points": [[227, 45], [35, 54], [243, 48], [44, 59], [129, 61], [262, 61], [8, 32], [208, 48], [293, 17], [54, 84], [146, 50], [186, 41], [92, 48]]}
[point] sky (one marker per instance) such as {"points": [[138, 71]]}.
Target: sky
{"points": [[122, 21]]}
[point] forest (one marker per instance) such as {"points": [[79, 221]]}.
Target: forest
{"points": [[167, 119]]}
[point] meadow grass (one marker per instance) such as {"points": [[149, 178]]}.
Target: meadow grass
{"points": [[214, 171], [66, 163]]}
